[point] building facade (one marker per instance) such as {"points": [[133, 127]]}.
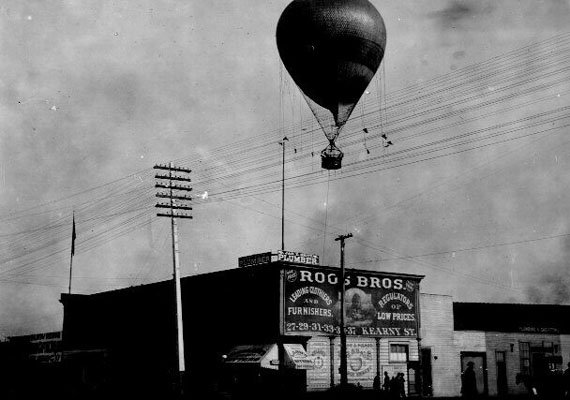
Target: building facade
{"points": [[515, 348], [274, 324]]}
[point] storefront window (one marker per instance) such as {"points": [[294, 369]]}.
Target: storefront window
{"points": [[398, 353], [524, 349]]}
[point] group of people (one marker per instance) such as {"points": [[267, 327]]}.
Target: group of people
{"points": [[393, 388]]}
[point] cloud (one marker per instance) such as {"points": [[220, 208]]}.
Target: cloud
{"points": [[552, 280], [457, 14], [458, 55], [454, 12]]}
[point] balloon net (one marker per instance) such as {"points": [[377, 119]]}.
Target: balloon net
{"points": [[326, 119]]}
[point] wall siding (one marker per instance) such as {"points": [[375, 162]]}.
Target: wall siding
{"points": [[470, 341], [437, 334], [565, 349]]}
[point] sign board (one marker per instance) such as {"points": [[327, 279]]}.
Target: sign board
{"points": [[299, 258], [281, 255], [361, 359], [42, 347], [271, 359], [256, 259], [297, 357], [247, 355], [318, 349], [376, 304], [536, 329]]}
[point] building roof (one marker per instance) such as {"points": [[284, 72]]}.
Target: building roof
{"points": [[500, 317]]}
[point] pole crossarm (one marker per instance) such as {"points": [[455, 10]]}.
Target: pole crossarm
{"points": [[343, 237], [174, 196], [170, 215], [172, 168], [175, 207], [172, 186], [173, 178]]}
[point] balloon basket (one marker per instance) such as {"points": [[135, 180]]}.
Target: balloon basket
{"points": [[331, 157]]}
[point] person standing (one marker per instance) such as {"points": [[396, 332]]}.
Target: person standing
{"points": [[469, 382], [401, 386], [394, 388], [376, 384], [566, 382], [386, 385]]}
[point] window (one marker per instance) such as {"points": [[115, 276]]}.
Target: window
{"points": [[500, 355], [547, 346], [524, 349], [398, 353]]}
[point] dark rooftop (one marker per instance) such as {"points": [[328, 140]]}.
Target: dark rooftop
{"points": [[531, 318]]}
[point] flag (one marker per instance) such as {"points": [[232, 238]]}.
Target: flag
{"points": [[73, 237]]}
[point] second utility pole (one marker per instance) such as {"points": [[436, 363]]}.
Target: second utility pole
{"points": [[282, 143], [343, 367]]}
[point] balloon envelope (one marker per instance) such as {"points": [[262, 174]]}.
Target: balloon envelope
{"points": [[332, 49]]}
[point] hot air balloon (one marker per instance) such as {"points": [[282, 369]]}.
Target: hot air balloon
{"points": [[331, 49]]}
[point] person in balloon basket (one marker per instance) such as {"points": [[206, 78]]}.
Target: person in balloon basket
{"points": [[469, 382]]}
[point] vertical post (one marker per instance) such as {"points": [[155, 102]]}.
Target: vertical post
{"points": [[70, 274], [283, 197], [176, 210], [331, 350], [72, 252], [343, 361], [378, 372], [419, 374], [177, 289]]}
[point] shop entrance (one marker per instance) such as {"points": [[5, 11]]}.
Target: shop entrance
{"points": [[479, 360], [426, 379]]}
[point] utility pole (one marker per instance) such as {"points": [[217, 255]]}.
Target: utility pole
{"points": [[282, 143], [177, 210], [343, 362]]}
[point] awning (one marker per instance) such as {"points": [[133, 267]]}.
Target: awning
{"points": [[297, 358], [267, 356]]}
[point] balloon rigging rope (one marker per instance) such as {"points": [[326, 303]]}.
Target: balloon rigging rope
{"points": [[383, 94], [326, 213]]}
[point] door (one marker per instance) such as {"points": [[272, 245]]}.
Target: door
{"points": [[426, 381], [413, 378], [501, 373], [479, 361]]}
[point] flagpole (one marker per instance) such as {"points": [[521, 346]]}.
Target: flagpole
{"points": [[72, 252]]}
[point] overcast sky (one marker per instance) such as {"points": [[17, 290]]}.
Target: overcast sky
{"points": [[94, 92]]}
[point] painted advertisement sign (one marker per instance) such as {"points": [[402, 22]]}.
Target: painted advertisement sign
{"points": [[360, 360], [281, 255], [320, 376], [376, 304]]}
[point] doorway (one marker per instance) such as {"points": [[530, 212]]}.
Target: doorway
{"points": [[479, 360], [502, 389], [426, 379]]}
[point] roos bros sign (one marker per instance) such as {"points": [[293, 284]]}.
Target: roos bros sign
{"points": [[376, 304]]}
